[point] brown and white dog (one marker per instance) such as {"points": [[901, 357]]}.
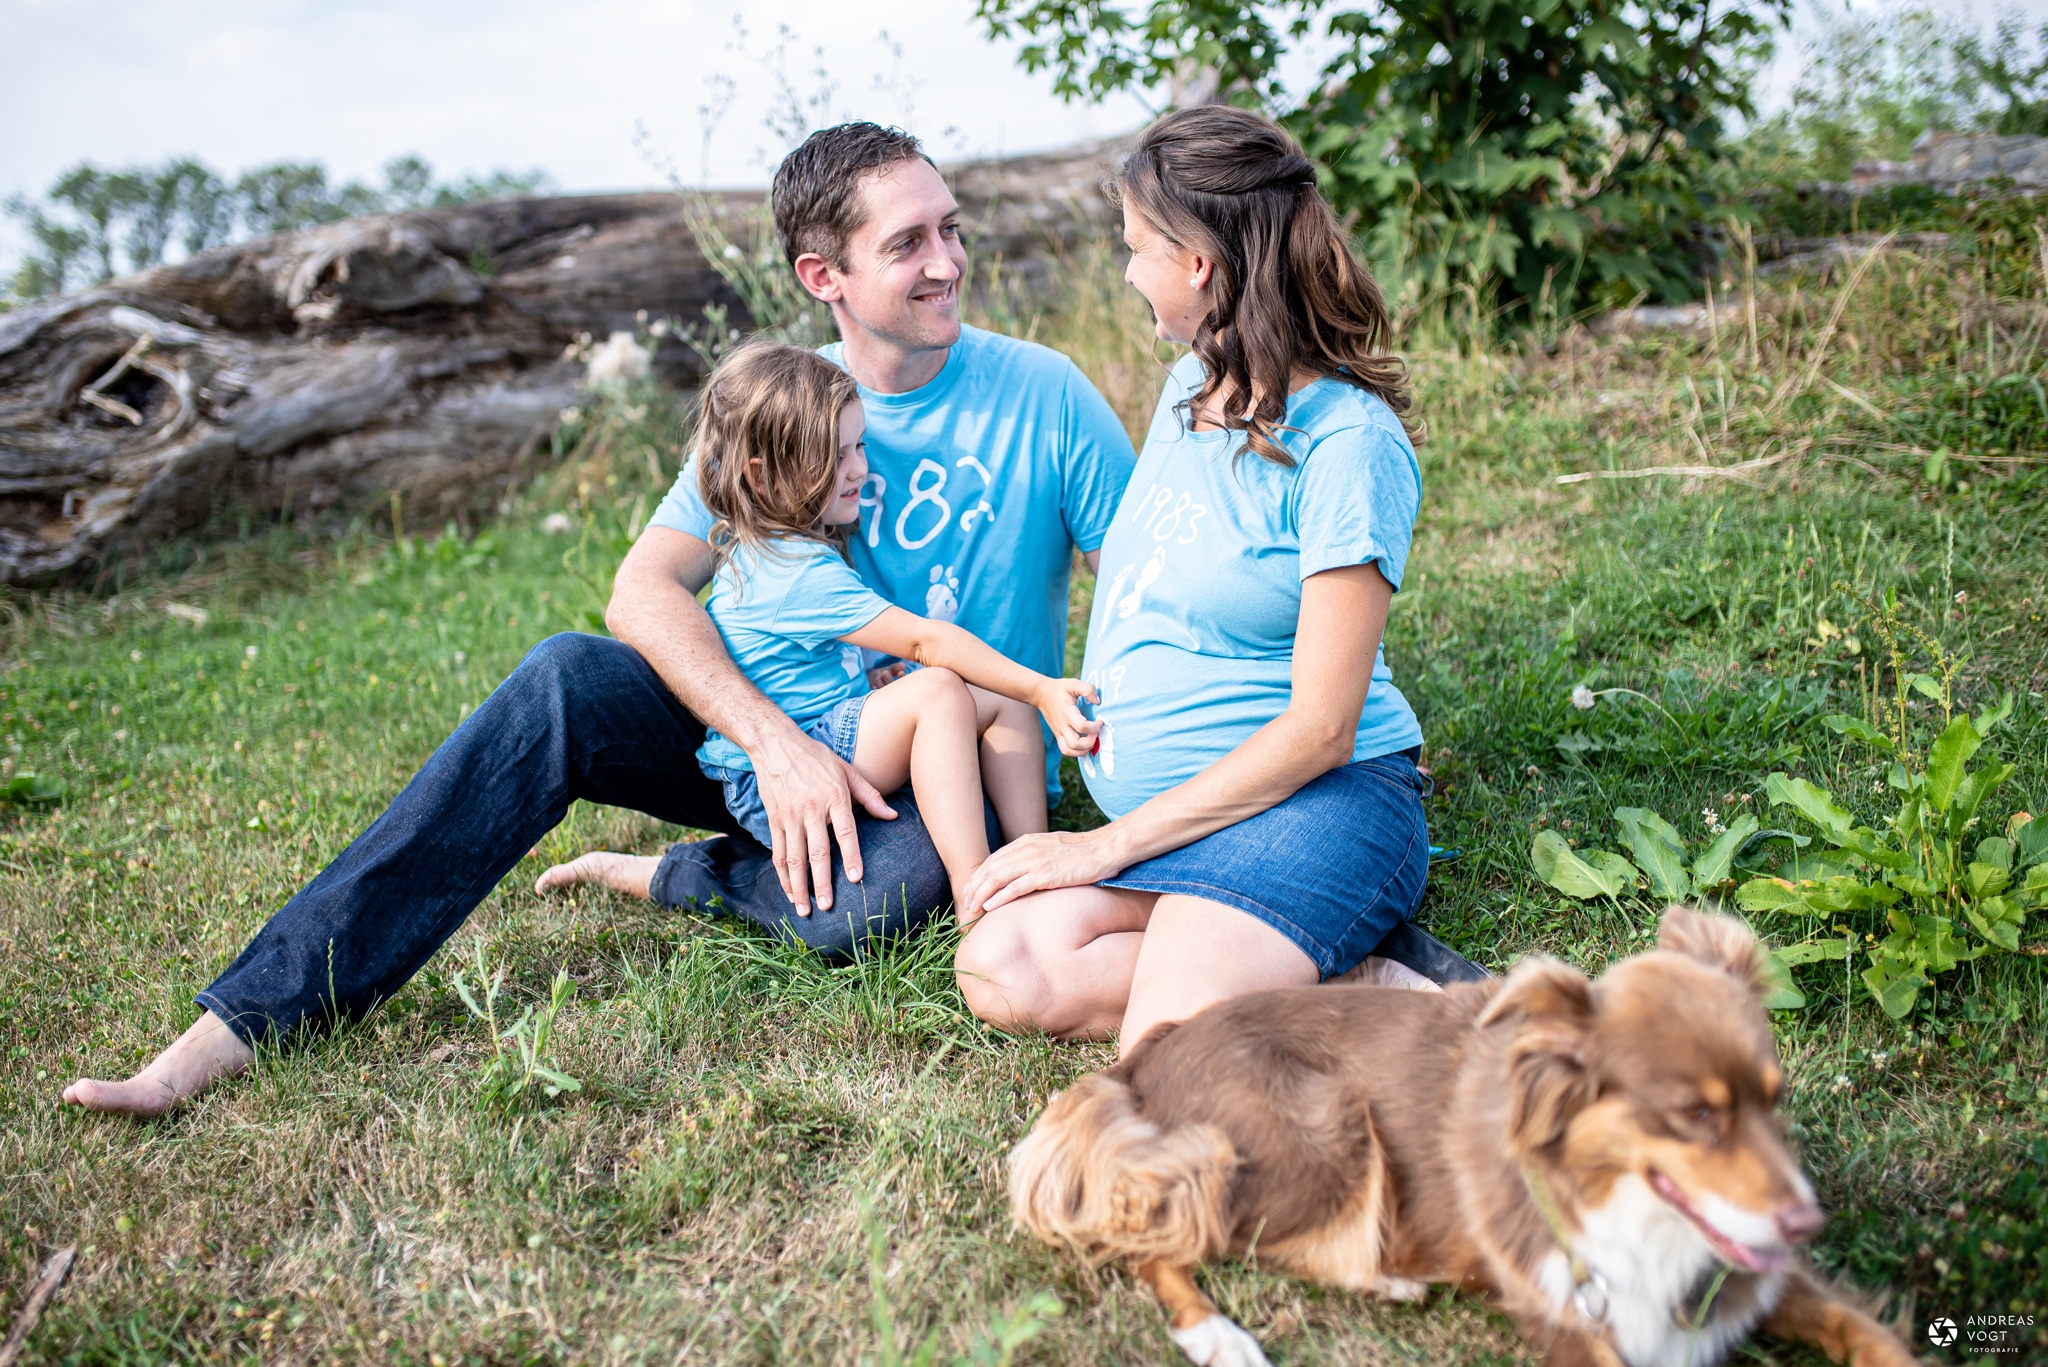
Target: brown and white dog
{"points": [[1602, 1158]]}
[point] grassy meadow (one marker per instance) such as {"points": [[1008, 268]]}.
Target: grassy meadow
{"points": [[771, 1160]]}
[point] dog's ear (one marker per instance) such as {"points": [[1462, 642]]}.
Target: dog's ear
{"points": [[1717, 941], [1549, 1009]]}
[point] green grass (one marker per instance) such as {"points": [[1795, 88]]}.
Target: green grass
{"points": [[750, 1117]]}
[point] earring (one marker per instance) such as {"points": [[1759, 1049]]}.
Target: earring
{"points": [[1195, 282]]}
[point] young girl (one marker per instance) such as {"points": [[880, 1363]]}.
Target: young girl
{"points": [[780, 465]]}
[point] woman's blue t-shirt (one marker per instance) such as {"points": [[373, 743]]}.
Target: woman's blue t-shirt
{"points": [[1191, 641], [782, 611]]}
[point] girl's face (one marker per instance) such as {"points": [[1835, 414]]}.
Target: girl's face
{"points": [[844, 507], [1174, 281]]}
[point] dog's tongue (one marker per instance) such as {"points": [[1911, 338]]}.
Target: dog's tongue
{"points": [[1760, 1260]]}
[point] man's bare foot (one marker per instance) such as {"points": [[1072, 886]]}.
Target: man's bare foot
{"points": [[630, 873], [203, 1054]]}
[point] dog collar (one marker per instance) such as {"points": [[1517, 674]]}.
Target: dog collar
{"points": [[1589, 1288]]}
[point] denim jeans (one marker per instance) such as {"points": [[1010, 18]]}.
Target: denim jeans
{"points": [[583, 717]]}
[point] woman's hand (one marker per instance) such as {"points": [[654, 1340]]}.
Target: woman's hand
{"points": [[1057, 701], [1033, 863]]}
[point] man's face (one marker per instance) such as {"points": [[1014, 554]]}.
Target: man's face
{"points": [[904, 264]]}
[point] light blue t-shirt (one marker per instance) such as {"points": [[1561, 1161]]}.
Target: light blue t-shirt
{"points": [[980, 485], [1191, 642], [782, 612]]}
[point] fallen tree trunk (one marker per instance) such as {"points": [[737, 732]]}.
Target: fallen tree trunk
{"points": [[422, 353]]}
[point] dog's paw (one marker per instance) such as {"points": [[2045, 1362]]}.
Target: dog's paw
{"points": [[1400, 1289], [1220, 1342]]}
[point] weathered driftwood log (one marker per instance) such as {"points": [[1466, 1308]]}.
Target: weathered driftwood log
{"points": [[420, 353]]}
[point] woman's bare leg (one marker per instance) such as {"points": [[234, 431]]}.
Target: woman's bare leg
{"points": [[1059, 961], [1196, 953], [629, 873], [1012, 761], [923, 728], [202, 1055]]}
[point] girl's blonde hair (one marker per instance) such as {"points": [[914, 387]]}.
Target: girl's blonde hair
{"points": [[768, 444]]}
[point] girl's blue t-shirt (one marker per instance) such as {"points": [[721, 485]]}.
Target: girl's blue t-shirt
{"points": [[981, 484], [782, 611], [1191, 640]]}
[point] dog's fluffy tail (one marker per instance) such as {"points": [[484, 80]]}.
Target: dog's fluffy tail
{"points": [[1098, 1177]]}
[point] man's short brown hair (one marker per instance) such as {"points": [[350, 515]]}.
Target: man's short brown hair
{"points": [[817, 187]]}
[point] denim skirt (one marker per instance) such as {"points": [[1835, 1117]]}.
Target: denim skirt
{"points": [[837, 730], [1333, 868]]}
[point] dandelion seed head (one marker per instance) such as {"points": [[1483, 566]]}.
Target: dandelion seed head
{"points": [[1583, 698]]}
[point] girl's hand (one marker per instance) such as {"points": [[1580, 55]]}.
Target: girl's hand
{"points": [[1057, 702], [1033, 863]]}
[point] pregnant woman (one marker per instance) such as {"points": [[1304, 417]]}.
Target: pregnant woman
{"points": [[1255, 756]]}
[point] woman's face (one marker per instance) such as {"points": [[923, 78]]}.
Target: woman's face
{"points": [[844, 506], [1174, 281]]}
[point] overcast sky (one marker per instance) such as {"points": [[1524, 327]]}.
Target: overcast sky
{"points": [[517, 83]]}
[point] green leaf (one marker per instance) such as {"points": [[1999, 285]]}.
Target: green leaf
{"points": [[1998, 920], [2037, 880], [1815, 804], [1990, 717], [1896, 983], [1617, 871], [1844, 893], [1945, 761], [1857, 729], [1865, 842], [1814, 951], [1996, 851], [1711, 869], [1913, 886], [32, 788], [1659, 852], [1558, 866], [2030, 839], [1970, 794], [1926, 685], [1779, 992], [1771, 894], [1986, 880]]}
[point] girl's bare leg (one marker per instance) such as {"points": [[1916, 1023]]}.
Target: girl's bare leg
{"points": [[205, 1053], [1012, 761], [629, 873], [923, 728]]}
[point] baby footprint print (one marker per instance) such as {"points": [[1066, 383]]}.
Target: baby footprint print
{"points": [[1146, 578]]}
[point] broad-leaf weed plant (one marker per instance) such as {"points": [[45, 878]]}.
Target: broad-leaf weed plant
{"points": [[1924, 893]]}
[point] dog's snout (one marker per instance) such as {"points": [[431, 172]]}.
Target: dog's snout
{"points": [[1801, 1222]]}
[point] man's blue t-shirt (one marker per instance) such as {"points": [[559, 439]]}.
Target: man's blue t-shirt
{"points": [[1191, 641], [782, 611], [980, 484]]}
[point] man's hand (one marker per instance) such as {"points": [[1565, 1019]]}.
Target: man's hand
{"points": [[809, 794], [881, 676]]}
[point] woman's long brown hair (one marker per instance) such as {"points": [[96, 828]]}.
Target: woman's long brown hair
{"points": [[1231, 186], [768, 444]]}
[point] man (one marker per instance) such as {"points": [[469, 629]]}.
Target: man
{"points": [[991, 460]]}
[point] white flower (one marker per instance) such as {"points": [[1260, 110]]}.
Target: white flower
{"points": [[250, 652], [619, 360], [1583, 698], [554, 524], [733, 252], [1713, 820]]}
